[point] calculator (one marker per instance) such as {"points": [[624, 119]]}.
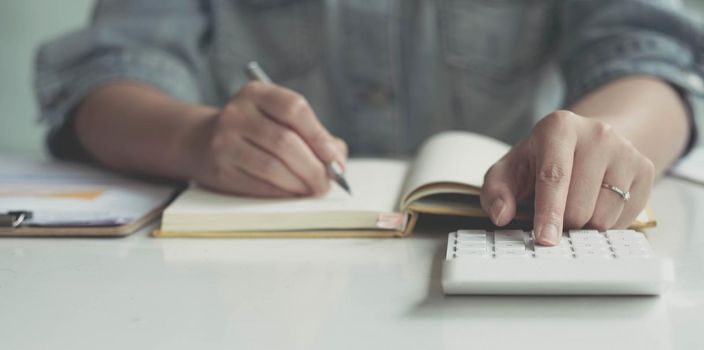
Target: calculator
{"points": [[585, 262]]}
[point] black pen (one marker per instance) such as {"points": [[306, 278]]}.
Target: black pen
{"points": [[255, 72]]}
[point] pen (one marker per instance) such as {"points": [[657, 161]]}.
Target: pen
{"points": [[255, 72]]}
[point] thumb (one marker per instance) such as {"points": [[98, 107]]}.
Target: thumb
{"points": [[498, 195]]}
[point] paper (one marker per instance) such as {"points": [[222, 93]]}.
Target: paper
{"points": [[454, 157], [64, 194], [375, 184]]}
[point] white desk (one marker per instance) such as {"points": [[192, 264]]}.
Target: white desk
{"points": [[144, 293]]}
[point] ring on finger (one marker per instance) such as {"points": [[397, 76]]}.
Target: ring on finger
{"points": [[625, 195]]}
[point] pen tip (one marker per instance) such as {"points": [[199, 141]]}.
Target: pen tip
{"points": [[345, 186]]}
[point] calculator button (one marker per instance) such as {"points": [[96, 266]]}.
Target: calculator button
{"points": [[590, 245], [471, 252], [471, 235], [508, 235], [557, 251], [631, 251], [624, 234], [471, 244], [552, 254], [513, 254], [509, 244], [592, 253]]}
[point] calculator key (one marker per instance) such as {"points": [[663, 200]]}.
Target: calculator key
{"points": [[471, 244], [471, 235], [476, 247], [597, 237], [628, 245], [465, 252], [553, 254], [591, 253], [632, 254], [624, 234], [578, 233], [632, 251], [591, 245], [513, 254], [510, 249], [509, 244], [508, 235]]}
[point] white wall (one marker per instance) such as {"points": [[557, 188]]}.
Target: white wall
{"points": [[24, 24]]}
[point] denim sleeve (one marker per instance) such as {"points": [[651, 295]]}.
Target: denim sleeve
{"points": [[608, 39], [155, 42]]}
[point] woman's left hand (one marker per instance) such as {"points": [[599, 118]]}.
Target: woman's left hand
{"points": [[564, 163]]}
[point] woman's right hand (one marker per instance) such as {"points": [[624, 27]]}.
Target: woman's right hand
{"points": [[268, 142]]}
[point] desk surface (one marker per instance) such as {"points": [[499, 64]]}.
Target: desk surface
{"points": [[146, 293]]}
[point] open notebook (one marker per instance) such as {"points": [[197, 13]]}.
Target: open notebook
{"points": [[445, 178]]}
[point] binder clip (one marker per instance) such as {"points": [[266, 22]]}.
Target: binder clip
{"points": [[14, 219]]}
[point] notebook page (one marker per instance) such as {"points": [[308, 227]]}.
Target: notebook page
{"points": [[456, 157], [375, 184]]}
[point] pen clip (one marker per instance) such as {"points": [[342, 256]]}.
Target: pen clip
{"points": [[14, 219]]}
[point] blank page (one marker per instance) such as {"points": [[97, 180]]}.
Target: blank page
{"points": [[375, 184], [456, 157]]}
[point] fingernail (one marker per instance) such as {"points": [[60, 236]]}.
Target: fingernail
{"points": [[549, 234], [497, 210]]}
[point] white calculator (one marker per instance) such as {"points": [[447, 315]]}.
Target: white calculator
{"points": [[585, 262]]}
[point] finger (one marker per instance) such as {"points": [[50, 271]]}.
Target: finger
{"points": [[292, 110], [239, 182], [554, 152], [505, 185], [497, 196], [264, 166], [609, 204], [640, 193], [585, 186], [288, 147], [344, 151]]}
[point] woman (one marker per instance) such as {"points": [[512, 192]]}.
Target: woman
{"points": [[157, 88]]}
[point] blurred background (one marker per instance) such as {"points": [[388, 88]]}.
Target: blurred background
{"points": [[23, 25]]}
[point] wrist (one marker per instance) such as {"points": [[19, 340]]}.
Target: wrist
{"points": [[193, 150]]}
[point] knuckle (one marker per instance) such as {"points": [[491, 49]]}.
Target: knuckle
{"points": [[557, 120], [296, 105], [602, 131], [283, 139], [553, 174], [267, 165], [318, 136]]}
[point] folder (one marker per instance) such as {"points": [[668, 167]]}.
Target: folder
{"points": [[53, 198]]}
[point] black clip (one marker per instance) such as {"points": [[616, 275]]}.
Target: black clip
{"points": [[14, 219]]}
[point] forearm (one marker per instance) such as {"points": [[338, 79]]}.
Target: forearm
{"points": [[136, 128], [647, 111]]}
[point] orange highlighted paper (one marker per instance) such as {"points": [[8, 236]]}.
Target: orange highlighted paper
{"points": [[80, 195]]}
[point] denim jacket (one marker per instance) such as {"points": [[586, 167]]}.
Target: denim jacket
{"points": [[382, 74]]}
